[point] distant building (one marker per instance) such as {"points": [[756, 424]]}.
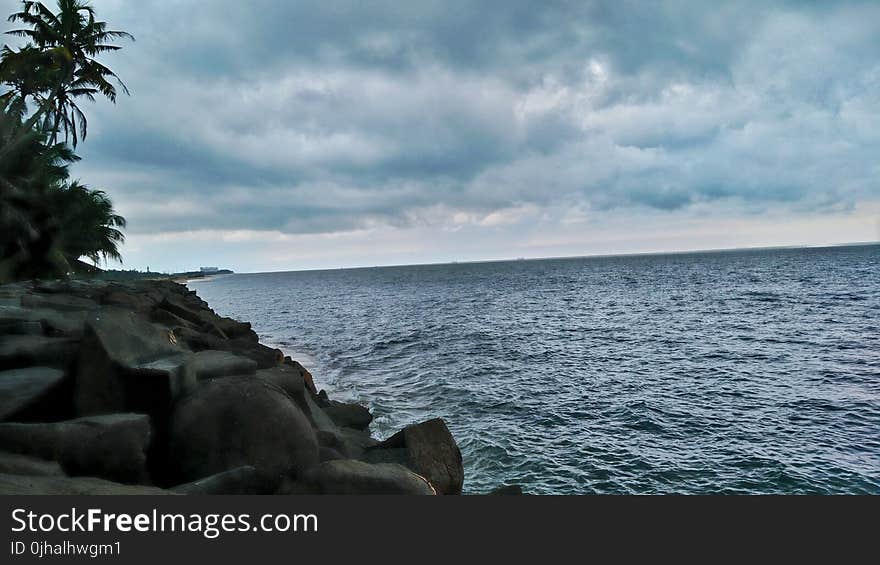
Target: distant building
{"points": [[208, 270]]}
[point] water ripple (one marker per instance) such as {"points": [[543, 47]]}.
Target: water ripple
{"points": [[745, 372]]}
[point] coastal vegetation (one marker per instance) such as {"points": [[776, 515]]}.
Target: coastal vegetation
{"points": [[50, 222]]}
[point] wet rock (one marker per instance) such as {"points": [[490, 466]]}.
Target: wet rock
{"points": [[29, 391], [348, 476], [112, 446], [349, 415], [18, 351], [17, 464], [212, 364], [238, 421], [24, 485], [431, 451], [241, 480]]}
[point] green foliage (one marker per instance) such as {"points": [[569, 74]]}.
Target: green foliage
{"points": [[68, 40], [47, 221]]}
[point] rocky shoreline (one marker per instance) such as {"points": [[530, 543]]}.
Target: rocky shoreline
{"points": [[141, 388]]}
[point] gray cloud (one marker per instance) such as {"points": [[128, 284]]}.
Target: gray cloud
{"points": [[319, 117]]}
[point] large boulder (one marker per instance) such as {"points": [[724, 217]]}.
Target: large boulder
{"points": [[238, 421], [26, 394], [129, 364], [349, 415], [348, 476], [20, 484], [112, 446], [428, 449], [241, 480], [26, 350]]}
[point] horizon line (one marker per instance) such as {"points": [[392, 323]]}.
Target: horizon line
{"points": [[569, 257]]}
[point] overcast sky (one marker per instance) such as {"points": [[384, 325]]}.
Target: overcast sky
{"points": [[273, 135]]}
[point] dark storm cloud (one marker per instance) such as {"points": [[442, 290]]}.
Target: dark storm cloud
{"points": [[329, 116]]}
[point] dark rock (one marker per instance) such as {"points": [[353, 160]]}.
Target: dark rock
{"points": [[52, 322], [20, 327], [128, 364], [17, 464], [22, 485], [63, 302], [82, 289], [347, 476], [288, 378], [124, 298], [112, 446], [431, 452], [266, 357], [397, 455], [182, 308], [166, 318], [354, 443], [349, 415], [235, 329], [30, 390], [26, 350], [310, 382], [328, 439], [212, 364], [322, 399], [237, 421], [241, 480], [316, 415], [507, 490], [329, 454]]}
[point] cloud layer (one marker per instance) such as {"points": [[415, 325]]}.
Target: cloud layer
{"points": [[325, 118]]}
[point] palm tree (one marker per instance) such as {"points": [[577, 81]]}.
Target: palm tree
{"points": [[46, 222], [88, 227], [30, 172], [74, 37]]}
